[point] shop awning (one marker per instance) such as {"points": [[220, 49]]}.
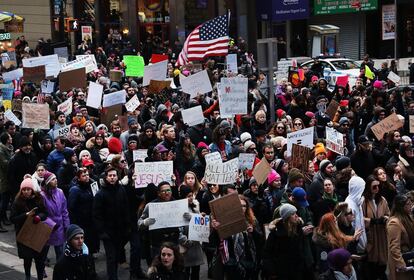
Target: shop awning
{"points": [[6, 17]]}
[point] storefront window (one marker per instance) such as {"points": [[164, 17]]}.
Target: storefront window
{"points": [[154, 19]]}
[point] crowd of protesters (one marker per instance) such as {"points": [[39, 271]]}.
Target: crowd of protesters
{"points": [[347, 217]]}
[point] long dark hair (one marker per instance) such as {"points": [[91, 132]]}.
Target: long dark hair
{"points": [[368, 195], [178, 264], [398, 211]]}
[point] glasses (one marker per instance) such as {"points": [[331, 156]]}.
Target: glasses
{"points": [[165, 191], [280, 127], [123, 161], [298, 124]]}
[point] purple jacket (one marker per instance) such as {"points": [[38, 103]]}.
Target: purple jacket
{"points": [[58, 212]]}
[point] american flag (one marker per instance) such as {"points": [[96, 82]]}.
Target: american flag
{"points": [[208, 39]]}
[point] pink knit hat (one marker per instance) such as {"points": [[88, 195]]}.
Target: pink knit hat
{"points": [[378, 84], [273, 176], [27, 183]]}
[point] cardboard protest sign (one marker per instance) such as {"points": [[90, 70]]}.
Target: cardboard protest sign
{"points": [[386, 125], [140, 154], [115, 75], [34, 74], [51, 63], [232, 94], [158, 57], [222, 174], [152, 172], [246, 160], [47, 86], [334, 140], [393, 77], [332, 109], [199, 228], [33, 235], [198, 83], [303, 137], [213, 158], [261, 170], [108, 114], [157, 86], [193, 116], [88, 62], [66, 107], [411, 123], [227, 210], [111, 99], [156, 71], [13, 75], [132, 104], [300, 157], [72, 79], [61, 132], [168, 214], [12, 117], [134, 65], [94, 95], [36, 116], [231, 61]]}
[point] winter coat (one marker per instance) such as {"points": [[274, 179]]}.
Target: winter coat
{"points": [[55, 160], [5, 155], [74, 268], [363, 163], [18, 217], [398, 243], [315, 190], [407, 170], [259, 207], [160, 273], [227, 148], [65, 175], [20, 164], [199, 135], [376, 234], [322, 248], [55, 203]]}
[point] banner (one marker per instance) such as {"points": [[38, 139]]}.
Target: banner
{"points": [[51, 63], [72, 79], [168, 214], [334, 140], [388, 22], [111, 99], [198, 83], [35, 116], [94, 95], [152, 172], [156, 71], [193, 116], [232, 93], [134, 65], [222, 174], [86, 61], [132, 104], [290, 9], [303, 137], [199, 228]]}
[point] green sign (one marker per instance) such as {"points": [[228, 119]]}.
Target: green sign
{"points": [[328, 7], [5, 36], [134, 65]]}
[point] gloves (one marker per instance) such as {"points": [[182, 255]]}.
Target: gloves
{"points": [[187, 216], [149, 221], [36, 219]]}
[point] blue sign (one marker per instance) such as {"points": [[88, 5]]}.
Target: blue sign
{"points": [[290, 9]]}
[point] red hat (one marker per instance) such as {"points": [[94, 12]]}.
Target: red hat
{"points": [[87, 162], [344, 103], [280, 113], [114, 145], [314, 78]]}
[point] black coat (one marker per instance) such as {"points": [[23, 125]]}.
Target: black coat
{"points": [[65, 175], [20, 164], [79, 268]]}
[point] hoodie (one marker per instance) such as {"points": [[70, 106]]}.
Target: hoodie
{"points": [[355, 200]]}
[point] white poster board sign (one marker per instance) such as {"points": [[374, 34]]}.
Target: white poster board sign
{"points": [[231, 61], [222, 174], [61, 132], [393, 77], [388, 22], [47, 86], [13, 75], [303, 137], [118, 97], [12, 117], [246, 161], [140, 154], [132, 104], [232, 93], [196, 83], [213, 158], [152, 172], [193, 116], [156, 71], [334, 140], [199, 228], [85, 61], [94, 95], [168, 214], [66, 107], [51, 62]]}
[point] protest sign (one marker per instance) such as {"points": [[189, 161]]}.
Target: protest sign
{"points": [[227, 210], [168, 214], [13, 75], [231, 61], [12, 117], [386, 125], [61, 132], [66, 107], [152, 172], [199, 228], [34, 235], [111, 99], [222, 173], [232, 94], [140, 154], [261, 170], [86, 62], [156, 71], [193, 116], [213, 158], [134, 65], [332, 109], [132, 104], [47, 86], [341, 81], [393, 77], [86, 32], [115, 75], [157, 86], [411, 124], [300, 157], [246, 160], [158, 57], [303, 137], [198, 83], [72, 79], [51, 63], [61, 52], [94, 95], [109, 113], [35, 116], [334, 140], [34, 74], [7, 86]]}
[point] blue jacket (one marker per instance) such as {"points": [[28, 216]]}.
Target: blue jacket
{"points": [[55, 159]]}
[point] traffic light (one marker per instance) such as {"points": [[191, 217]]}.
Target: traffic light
{"points": [[71, 24]]}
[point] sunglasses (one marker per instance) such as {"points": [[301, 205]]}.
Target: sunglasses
{"points": [[280, 127], [297, 124]]}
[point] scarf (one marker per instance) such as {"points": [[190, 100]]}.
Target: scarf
{"points": [[340, 276], [332, 197], [72, 252]]}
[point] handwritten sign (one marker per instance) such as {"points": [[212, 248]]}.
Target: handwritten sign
{"points": [[156, 71], [94, 95], [12, 117], [196, 83], [66, 107], [134, 65], [140, 154], [47, 86], [36, 116], [199, 228], [13, 75], [232, 94], [386, 125], [261, 170], [222, 174], [231, 61], [332, 109], [303, 137], [213, 158], [393, 77], [132, 104], [334, 140], [61, 132], [168, 214], [193, 116], [300, 157], [72, 79], [246, 160], [152, 172], [111, 99], [86, 62], [34, 74], [51, 63]]}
